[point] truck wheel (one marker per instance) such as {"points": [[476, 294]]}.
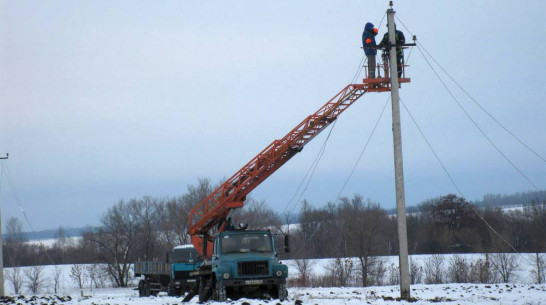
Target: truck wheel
{"points": [[146, 286], [141, 292], [220, 293], [283, 292], [172, 291]]}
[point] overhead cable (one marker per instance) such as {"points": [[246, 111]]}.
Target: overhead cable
{"points": [[453, 181], [473, 99], [476, 124]]}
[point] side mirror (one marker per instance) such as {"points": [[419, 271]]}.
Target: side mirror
{"points": [[287, 243]]}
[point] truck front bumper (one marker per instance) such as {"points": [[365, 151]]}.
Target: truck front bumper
{"points": [[254, 282]]}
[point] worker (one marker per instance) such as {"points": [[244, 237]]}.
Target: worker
{"points": [[369, 45], [399, 40]]}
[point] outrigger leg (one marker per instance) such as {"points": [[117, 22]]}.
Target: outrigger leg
{"points": [[193, 292]]}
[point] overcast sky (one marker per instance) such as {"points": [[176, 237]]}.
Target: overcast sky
{"points": [[108, 100]]}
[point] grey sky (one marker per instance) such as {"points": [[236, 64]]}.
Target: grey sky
{"points": [[109, 100]]}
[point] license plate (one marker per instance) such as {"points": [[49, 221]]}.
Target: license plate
{"points": [[254, 282], [191, 280]]}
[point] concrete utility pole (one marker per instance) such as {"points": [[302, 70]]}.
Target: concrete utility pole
{"points": [[398, 162], [1, 239]]}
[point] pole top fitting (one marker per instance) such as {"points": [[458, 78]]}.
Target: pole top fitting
{"points": [[390, 4]]}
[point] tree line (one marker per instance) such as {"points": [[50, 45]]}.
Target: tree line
{"points": [[148, 228], [449, 224]]}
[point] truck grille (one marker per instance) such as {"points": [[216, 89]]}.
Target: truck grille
{"points": [[253, 268], [181, 275]]}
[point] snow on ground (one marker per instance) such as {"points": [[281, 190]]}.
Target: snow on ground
{"points": [[476, 294], [522, 291]]}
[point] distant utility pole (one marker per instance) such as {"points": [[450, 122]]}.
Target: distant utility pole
{"points": [[1, 239], [398, 162]]}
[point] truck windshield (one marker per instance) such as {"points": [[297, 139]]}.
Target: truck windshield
{"points": [[241, 243], [185, 256]]}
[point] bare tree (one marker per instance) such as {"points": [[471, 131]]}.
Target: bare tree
{"points": [[539, 268], [536, 213], [363, 224], [480, 271], [257, 215], [34, 278], [458, 270], [416, 272], [77, 274], [14, 231], [150, 215], [62, 245], [316, 236], [394, 275], [115, 241], [178, 211], [14, 242], [94, 273], [434, 272], [505, 265], [341, 270], [15, 278], [304, 268], [56, 277]]}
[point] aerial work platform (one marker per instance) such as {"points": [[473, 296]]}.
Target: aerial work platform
{"points": [[383, 83]]}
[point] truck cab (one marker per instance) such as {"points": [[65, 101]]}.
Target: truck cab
{"points": [[184, 260], [245, 263]]}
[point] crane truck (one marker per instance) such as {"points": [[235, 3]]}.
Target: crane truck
{"points": [[239, 262]]}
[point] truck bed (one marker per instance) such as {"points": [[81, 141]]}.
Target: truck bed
{"points": [[152, 268]]}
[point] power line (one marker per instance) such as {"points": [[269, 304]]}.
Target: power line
{"points": [[311, 171], [351, 173], [362, 152], [455, 184], [476, 124], [18, 200], [432, 150], [462, 108], [482, 108], [472, 98]]}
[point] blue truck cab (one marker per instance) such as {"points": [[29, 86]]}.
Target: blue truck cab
{"points": [[184, 260], [245, 263]]}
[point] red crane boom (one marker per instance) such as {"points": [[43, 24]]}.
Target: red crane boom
{"points": [[215, 208]]}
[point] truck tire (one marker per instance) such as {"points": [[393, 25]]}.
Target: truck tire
{"points": [[220, 293], [141, 292], [172, 291], [283, 292], [146, 286]]}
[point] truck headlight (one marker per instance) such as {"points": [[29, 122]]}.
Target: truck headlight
{"points": [[278, 273], [226, 276]]}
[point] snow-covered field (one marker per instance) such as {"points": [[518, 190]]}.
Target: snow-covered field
{"points": [[520, 291], [423, 294]]}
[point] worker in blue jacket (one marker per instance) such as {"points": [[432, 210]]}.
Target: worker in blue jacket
{"points": [[369, 45]]}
